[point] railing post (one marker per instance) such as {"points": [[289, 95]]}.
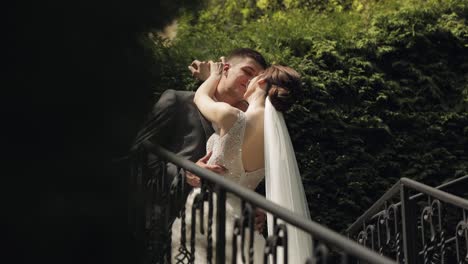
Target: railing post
{"points": [[220, 225], [409, 223]]}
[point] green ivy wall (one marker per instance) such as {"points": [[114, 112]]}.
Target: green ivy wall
{"points": [[386, 87]]}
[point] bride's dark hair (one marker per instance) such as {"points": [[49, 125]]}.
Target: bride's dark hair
{"points": [[283, 86]]}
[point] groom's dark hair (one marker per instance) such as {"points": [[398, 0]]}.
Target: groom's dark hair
{"points": [[248, 53]]}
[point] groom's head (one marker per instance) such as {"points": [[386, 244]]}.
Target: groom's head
{"points": [[241, 65]]}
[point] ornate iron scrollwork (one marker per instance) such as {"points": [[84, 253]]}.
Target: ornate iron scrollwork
{"points": [[427, 238], [241, 224], [158, 191], [431, 224], [278, 239], [321, 254]]}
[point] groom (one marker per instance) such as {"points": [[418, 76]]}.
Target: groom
{"points": [[176, 124]]}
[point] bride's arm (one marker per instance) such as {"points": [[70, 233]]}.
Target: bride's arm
{"points": [[220, 113]]}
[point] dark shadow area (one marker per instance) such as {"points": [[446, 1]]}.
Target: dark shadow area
{"points": [[77, 89]]}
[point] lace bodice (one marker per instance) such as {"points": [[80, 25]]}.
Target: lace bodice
{"points": [[227, 151]]}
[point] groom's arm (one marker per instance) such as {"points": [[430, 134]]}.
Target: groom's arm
{"points": [[193, 180], [159, 128]]}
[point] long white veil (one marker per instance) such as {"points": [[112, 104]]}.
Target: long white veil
{"points": [[283, 182]]}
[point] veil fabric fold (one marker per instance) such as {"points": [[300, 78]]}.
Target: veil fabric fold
{"points": [[283, 184]]}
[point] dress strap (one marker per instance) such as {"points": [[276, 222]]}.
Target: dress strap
{"points": [[238, 128]]}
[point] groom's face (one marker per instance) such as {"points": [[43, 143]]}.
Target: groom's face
{"points": [[236, 76]]}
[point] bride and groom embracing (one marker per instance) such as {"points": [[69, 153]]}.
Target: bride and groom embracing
{"points": [[249, 142]]}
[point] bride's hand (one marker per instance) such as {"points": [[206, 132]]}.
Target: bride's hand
{"points": [[216, 68], [200, 69]]}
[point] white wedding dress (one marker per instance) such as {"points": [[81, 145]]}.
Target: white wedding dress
{"points": [[227, 151]]}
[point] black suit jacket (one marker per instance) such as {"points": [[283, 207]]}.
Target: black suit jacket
{"points": [[176, 124]]}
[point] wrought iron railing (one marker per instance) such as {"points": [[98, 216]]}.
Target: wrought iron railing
{"points": [[155, 233], [416, 223]]}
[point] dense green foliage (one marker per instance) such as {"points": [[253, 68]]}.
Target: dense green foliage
{"points": [[386, 85]]}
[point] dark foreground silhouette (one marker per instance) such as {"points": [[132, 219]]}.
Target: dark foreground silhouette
{"points": [[77, 91]]}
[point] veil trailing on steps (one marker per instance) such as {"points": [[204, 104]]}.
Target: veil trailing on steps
{"points": [[283, 184]]}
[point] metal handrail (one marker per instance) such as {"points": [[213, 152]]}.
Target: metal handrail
{"points": [[320, 232], [442, 186], [441, 195], [452, 182], [376, 208]]}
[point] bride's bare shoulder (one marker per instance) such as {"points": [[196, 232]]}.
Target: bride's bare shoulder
{"points": [[255, 115]]}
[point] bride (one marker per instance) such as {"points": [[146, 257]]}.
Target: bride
{"points": [[250, 145]]}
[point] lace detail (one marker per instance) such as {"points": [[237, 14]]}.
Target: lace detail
{"points": [[227, 151]]}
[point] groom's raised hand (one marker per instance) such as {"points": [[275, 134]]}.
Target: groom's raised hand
{"points": [[193, 180]]}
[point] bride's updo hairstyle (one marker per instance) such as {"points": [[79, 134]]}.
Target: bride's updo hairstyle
{"points": [[283, 86]]}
